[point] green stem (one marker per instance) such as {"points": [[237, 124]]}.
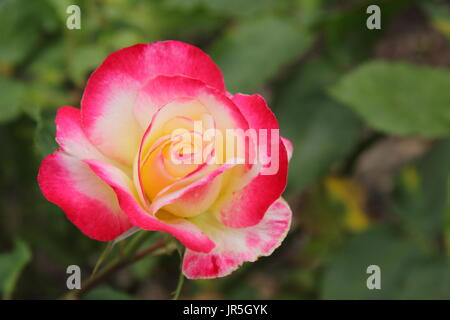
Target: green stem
{"points": [[179, 286], [157, 248], [177, 292], [102, 257]]}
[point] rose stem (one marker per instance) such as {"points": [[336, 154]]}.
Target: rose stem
{"points": [[101, 276]]}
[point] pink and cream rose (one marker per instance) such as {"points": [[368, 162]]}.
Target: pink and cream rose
{"points": [[121, 163]]}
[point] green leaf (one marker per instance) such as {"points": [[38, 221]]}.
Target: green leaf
{"points": [[45, 133], [48, 88], [60, 7], [329, 137], [428, 279], [46, 68], [311, 10], [85, 59], [439, 14], [346, 277], [253, 52], [107, 293], [22, 22], [231, 7], [345, 35], [398, 98], [11, 93], [11, 266], [422, 208], [322, 131]]}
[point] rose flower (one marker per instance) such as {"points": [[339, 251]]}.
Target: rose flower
{"points": [[151, 148]]}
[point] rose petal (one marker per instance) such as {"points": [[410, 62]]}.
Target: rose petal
{"points": [[236, 246], [70, 135], [110, 93], [193, 193], [87, 201], [181, 97], [239, 207], [289, 148], [164, 90], [188, 234]]}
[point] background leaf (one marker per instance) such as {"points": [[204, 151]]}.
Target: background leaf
{"points": [[107, 293], [245, 48], [346, 276], [398, 98], [45, 133], [232, 7], [322, 131], [422, 207], [439, 15], [11, 102], [428, 280], [22, 25], [11, 266]]}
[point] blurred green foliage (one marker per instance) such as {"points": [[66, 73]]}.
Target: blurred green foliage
{"points": [[391, 97], [368, 112], [11, 265]]}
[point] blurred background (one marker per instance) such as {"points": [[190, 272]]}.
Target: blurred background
{"points": [[368, 112]]}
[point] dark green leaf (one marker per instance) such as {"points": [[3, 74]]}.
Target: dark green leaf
{"points": [[346, 277], [11, 265], [428, 279], [22, 22], [232, 7], [107, 293], [45, 133], [422, 209], [322, 131], [85, 60], [253, 52], [11, 93]]}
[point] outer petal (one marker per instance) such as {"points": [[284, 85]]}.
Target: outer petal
{"points": [[70, 135], [88, 202], [239, 207], [289, 148], [189, 234], [110, 92], [235, 246]]}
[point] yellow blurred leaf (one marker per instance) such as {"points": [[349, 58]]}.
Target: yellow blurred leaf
{"points": [[353, 196], [411, 179]]}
